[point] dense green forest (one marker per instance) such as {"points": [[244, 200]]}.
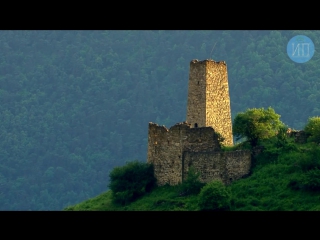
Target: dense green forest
{"points": [[75, 104]]}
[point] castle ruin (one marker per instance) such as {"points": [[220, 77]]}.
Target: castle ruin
{"points": [[196, 142]]}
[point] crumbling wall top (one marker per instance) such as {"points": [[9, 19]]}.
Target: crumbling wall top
{"points": [[156, 126], [207, 60], [180, 125]]}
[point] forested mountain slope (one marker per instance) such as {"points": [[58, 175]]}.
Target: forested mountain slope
{"points": [[75, 104]]}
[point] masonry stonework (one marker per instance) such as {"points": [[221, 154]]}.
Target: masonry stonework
{"points": [[167, 146], [208, 97], [195, 142], [224, 166]]}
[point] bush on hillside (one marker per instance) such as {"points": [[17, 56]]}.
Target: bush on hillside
{"points": [[311, 180], [307, 181], [310, 159], [282, 138], [192, 185], [312, 128], [309, 165], [131, 181], [214, 197]]}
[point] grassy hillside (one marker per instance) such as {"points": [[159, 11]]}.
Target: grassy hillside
{"points": [[282, 179]]}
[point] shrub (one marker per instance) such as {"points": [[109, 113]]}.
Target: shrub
{"points": [[295, 183], [192, 184], [311, 180], [308, 181], [131, 181], [214, 197], [282, 139], [310, 159], [312, 128]]}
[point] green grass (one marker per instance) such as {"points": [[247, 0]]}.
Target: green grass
{"points": [[266, 189], [164, 198], [99, 203]]}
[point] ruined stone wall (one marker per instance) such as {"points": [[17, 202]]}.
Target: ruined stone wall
{"points": [[201, 139], [299, 136], [218, 111], [164, 151], [173, 151], [208, 97], [166, 147], [208, 164], [217, 165], [196, 105], [238, 164]]}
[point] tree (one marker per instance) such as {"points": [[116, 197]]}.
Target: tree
{"points": [[256, 124]]}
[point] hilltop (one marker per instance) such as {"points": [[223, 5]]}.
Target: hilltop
{"points": [[282, 179]]}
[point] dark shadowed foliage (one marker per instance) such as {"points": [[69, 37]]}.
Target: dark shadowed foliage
{"points": [[131, 181], [214, 197]]}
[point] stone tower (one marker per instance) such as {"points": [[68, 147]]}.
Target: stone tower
{"points": [[208, 98]]}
